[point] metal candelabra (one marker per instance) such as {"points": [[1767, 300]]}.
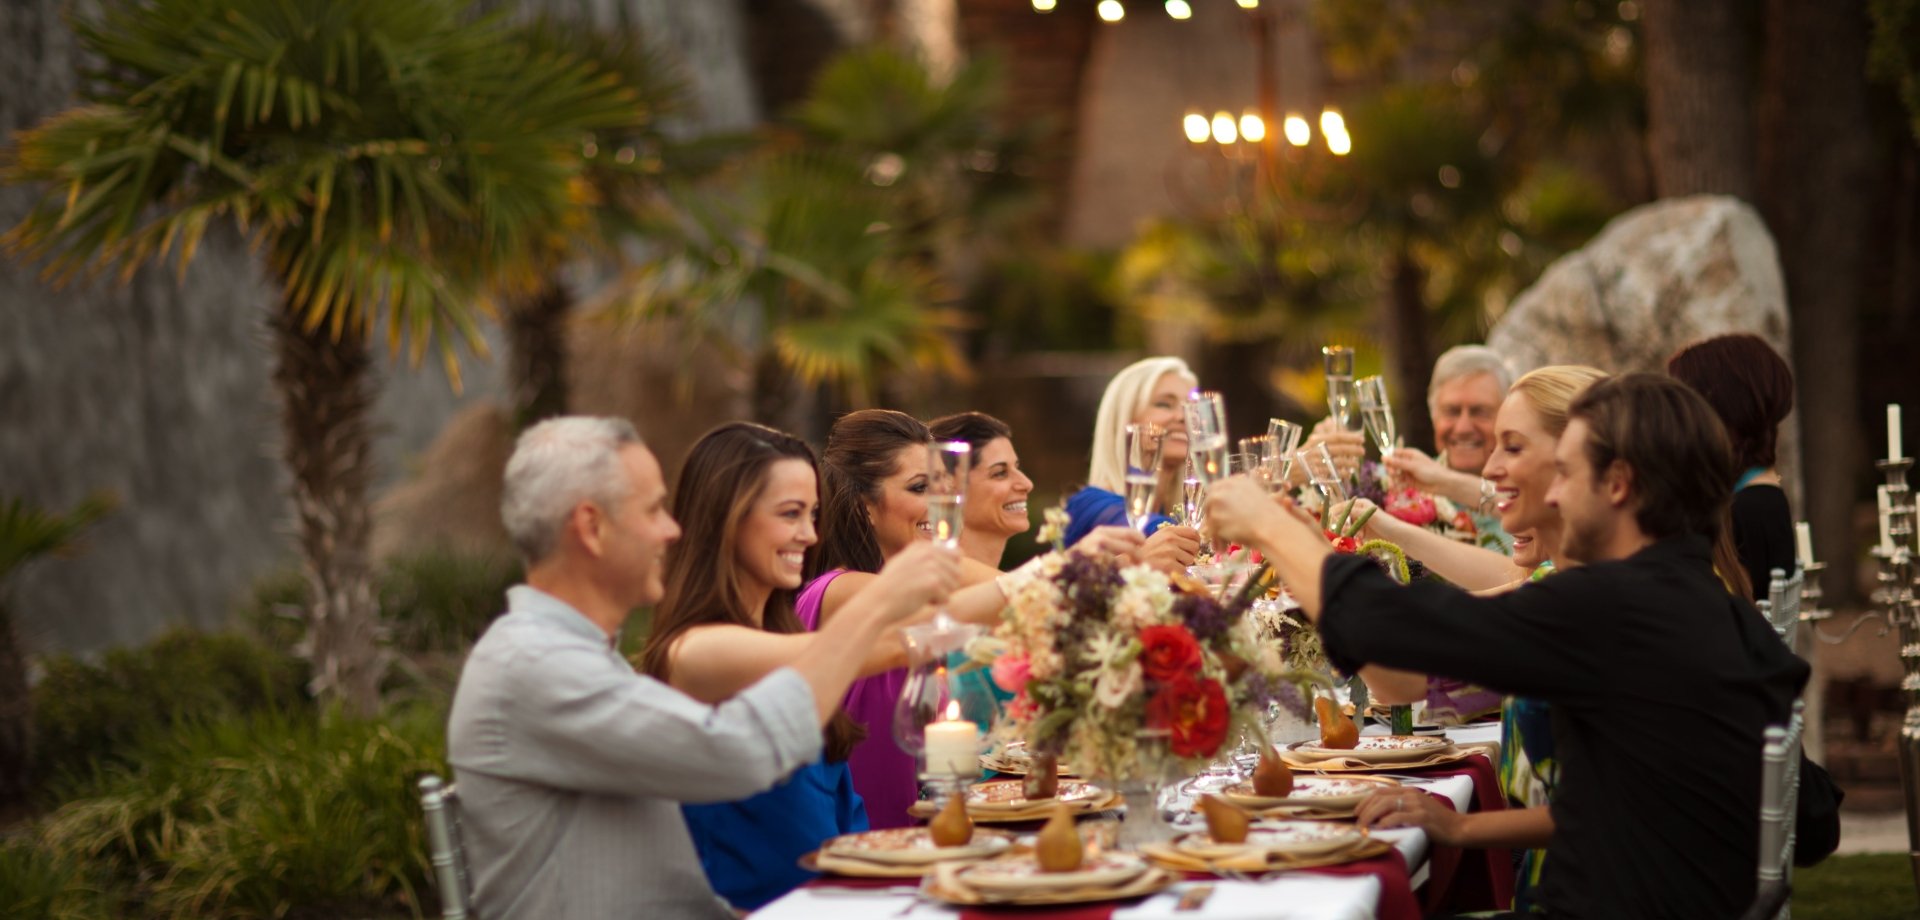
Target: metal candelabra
{"points": [[1895, 596]]}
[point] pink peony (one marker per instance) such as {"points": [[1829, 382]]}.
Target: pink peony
{"points": [[1413, 507], [1011, 673]]}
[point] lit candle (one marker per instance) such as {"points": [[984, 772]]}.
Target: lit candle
{"points": [[1803, 540], [1893, 431], [953, 745], [1886, 522]]}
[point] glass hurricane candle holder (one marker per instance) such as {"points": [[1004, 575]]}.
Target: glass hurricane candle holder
{"points": [[939, 719]]}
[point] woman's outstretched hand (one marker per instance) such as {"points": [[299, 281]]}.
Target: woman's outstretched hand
{"points": [[923, 573]]}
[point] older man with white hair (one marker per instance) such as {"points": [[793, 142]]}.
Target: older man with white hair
{"points": [[571, 766], [1469, 382]]}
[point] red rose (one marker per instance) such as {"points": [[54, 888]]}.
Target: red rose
{"points": [[1345, 545], [1194, 714], [1168, 652]]}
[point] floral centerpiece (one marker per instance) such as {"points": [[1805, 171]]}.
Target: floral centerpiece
{"points": [[1421, 509], [1130, 674]]}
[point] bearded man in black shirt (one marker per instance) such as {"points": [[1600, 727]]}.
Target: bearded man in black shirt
{"points": [[1660, 682]]}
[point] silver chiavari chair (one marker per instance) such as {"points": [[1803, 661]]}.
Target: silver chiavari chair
{"points": [[441, 804], [1779, 794]]}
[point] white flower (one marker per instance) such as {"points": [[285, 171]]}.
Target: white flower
{"points": [[1115, 686]]}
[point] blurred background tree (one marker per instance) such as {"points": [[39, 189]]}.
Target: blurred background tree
{"points": [[28, 533], [391, 159], [832, 262]]}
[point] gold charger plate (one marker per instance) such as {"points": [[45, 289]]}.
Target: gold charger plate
{"points": [[1296, 839], [1036, 810], [913, 846], [1315, 793], [1166, 857], [947, 885], [1352, 765], [1376, 749]]}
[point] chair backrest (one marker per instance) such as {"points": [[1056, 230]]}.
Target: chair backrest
{"points": [[1782, 607], [1779, 795], [441, 804]]}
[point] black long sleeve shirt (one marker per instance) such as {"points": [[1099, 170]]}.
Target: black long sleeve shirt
{"points": [[1661, 684]]}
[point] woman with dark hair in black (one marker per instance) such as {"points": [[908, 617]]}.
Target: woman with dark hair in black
{"points": [[1750, 388]]}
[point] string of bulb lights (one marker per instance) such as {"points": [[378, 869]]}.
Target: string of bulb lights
{"points": [[1114, 10], [1223, 129]]}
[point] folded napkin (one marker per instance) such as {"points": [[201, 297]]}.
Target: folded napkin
{"points": [[1256, 860], [1356, 765], [1290, 897], [1039, 809], [851, 904], [948, 885]]}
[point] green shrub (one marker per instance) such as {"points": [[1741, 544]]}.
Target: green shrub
{"points": [[269, 815], [35, 882], [89, 716], [442, 602]]}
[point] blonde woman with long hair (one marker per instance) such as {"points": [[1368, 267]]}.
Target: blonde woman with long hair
{"points": [[1149, 391]]}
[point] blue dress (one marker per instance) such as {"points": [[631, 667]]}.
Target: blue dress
{"points": [[1093, 507], [751, 848]]}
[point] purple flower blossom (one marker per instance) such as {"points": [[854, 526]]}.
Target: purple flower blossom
{"points": [[1205, 617]]}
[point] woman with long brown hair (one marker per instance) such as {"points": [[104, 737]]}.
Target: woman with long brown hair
{"points": [[873, 508], [746, 500]]}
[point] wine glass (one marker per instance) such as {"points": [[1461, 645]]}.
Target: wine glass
{"points": [[1317, 461], [1377, 411], [947, 465], [1207, 435], [1340, 400], [1193, 494], [1286, 439], [1143, 443]]}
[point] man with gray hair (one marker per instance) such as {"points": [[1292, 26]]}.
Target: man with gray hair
{"points": [[570, 766], [1469, 383]]}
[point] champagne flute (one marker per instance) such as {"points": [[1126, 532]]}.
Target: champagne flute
{"points": [[1143, 443], [1317, 461], [1193, 493], [1257, 452], [947, 464], [1378, 413], [1340, 398], [1207, 435], [1286, 439]]}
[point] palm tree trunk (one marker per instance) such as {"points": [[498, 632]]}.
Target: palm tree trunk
{"points": [[537, 352], [16, 718], [1699, 96], [1412, 349], [323, 385]]}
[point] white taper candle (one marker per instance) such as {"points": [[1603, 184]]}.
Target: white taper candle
{"points": [[1893, 431], [1803, 541]]}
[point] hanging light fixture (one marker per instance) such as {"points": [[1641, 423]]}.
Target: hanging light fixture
{"points": [[1044, 6], [1111, 10], [1179, 9]]}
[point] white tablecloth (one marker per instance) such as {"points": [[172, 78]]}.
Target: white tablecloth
{"points": [[1292, 896]]}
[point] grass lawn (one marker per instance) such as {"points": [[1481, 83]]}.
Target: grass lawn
{"points": [[1874, 886]]}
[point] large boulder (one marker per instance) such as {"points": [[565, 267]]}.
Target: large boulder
{"points": [[1656, 278], [1659, 276]]}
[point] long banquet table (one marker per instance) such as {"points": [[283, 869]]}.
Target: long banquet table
{"points": [[1382, 887]]}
